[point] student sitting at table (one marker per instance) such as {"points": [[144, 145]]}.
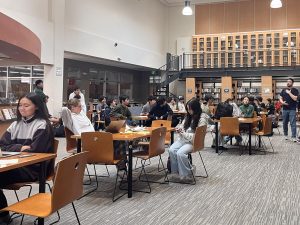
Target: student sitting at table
{"points": [[75, 119], [148, 106], [180, 149], [172, 103], [181, 106], [121, 111], [160, 111], [32, 132]]}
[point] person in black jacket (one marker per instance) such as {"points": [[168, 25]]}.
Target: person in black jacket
{"points": [[32, 132], [160, 111]]}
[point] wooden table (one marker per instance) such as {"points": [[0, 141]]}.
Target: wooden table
{"points": [[40, 158], [140, 119], [128, 137], [248, 121]]}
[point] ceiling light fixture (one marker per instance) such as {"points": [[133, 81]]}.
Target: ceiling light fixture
{"points": [[187, 10], [275, 4]]}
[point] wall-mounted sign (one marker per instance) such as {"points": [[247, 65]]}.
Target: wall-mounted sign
{"points": [[266, 90], [58, 71], [190, 91], [226, 90]]}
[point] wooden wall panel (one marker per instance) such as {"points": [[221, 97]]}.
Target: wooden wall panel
{"points": [[226, 88], [293, 9], [202, 17], [262, 15], [216, 18], [190, 87], [266, 88], [278, 17], [231, 20], [246, 16]]}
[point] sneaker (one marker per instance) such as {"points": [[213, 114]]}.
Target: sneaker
{"points": [[298, 140], [293, 139], [286, 138]]}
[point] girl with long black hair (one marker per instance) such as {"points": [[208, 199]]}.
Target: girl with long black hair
{"points": [[32, 132], [180, 149]]}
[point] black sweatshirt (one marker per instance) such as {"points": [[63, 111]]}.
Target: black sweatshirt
{"points": [[36, 133]]}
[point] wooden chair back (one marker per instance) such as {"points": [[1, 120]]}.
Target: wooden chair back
{"points": [[52, 163], [229, 126], [267, 126], [157, 142], [99, 146], [198, 143], [163, 123], [68, 181], [70, 142]]}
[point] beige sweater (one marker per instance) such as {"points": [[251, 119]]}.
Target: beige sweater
{"points": [[188, 135]]}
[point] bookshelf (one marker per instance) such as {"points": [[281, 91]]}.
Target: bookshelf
{"points": [[247, 49]]}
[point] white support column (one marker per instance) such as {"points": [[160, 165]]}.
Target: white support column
{"points": [[53, 82]]}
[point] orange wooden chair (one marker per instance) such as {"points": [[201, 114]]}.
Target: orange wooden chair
{"points": [[266, 131], [99, 146], [69, 173]]}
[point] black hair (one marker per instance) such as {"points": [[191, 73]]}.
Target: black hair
{"points": [[122, 98], [101, 98], [37, 82], [251, 98], [76, 88], [269, 100], [259, 98], [208, 97], [192, 120], [109, 101], [160, 101], [169, 99], [291, 79], [77, 96], [150, 98]]}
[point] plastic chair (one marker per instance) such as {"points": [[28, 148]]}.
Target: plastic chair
{"points": [[69, 173]]}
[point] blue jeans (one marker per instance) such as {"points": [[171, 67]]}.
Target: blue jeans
{"points": [[289, 116], [179, 151]]}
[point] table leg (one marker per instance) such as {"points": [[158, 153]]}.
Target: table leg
{"points": [[216, 137], [42, 185], [78, 145], [129, 176], [172, 137], [250, 134]]}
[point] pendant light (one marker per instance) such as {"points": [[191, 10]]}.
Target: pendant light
{"points": [[187, 10], [275, 4]]}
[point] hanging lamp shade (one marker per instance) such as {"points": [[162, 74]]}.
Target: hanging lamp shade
{"points": [[187, 10], [275, 4]]}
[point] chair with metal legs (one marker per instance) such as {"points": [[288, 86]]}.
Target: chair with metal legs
{"points": [[266, 132], [69, 173], [99, 146], [155, 148]]}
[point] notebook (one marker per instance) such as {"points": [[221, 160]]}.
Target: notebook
{"points": [[115, 126], [8, 154]]}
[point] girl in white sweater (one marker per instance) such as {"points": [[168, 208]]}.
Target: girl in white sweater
{"points": [[180, 149]]}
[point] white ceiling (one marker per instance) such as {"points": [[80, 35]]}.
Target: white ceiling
{"points": [[181, 2]]}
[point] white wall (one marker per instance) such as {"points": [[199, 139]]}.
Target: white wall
{"points": [[179, 27], [138, 26], [33, 14]]}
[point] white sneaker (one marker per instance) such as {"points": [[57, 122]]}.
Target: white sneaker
{"points": [[298, 140], [286, 138], [293, 139]]}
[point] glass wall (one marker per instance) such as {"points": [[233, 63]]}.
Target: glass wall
{"points": [[18, 80]]}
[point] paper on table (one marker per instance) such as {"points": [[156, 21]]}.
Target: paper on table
{"points": [[8, 161]]}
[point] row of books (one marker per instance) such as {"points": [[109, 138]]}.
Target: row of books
{"points": [[8, 114]]}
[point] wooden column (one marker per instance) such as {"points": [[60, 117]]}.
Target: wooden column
{"points": [[266, 88], [226, 90], [190, 87]]}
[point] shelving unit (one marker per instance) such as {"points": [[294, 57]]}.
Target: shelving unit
{"points": [[247, 88], [255, 49]]}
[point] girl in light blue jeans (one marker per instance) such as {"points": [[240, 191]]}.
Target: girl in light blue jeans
{"points": [[180, 149]]}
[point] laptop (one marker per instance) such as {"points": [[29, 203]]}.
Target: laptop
{"points": [[115, 126], [8, 154]]}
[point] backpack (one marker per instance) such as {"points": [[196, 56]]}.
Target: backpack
{"points": [[223, 110]]}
